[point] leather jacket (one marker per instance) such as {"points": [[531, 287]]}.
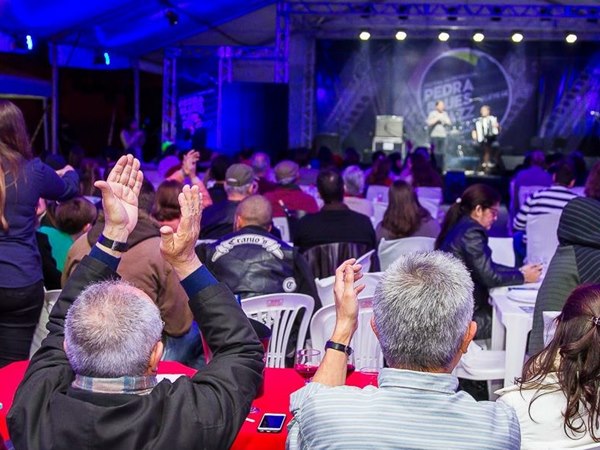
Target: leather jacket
{"points": [[252, 261], [468, 241]]}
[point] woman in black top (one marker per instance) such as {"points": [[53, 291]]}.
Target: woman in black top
{"points": [[464, 234]]}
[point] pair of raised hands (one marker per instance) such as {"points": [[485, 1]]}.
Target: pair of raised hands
{"points": [[120, 194]]}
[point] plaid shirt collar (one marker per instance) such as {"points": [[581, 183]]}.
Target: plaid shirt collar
{"points": [[141, 385]]}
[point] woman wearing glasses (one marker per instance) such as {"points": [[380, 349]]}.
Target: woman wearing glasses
{"points": [[464, 234]]}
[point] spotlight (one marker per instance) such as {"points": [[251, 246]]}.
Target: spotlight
{"points": [[172, 17], [364, 35], [478, 36], [401, 35], [29, 42], [443, 36], [106, 58], [571, 38], [517, 37], [102, 58]]}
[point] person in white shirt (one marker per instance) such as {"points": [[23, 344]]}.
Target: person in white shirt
{"points": [[486, 134], [557, 398], [438, 120]]}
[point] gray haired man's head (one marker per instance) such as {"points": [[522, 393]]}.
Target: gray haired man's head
{"points": [[111, 330], [354, 180], [422, 309]]}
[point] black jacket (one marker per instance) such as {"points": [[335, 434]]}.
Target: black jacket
{"points": [[468, 241], [576, 262], [203, 412], [251, 262], [334, 223]]}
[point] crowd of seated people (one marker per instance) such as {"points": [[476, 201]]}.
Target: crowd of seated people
{"points": [[427, 308]]}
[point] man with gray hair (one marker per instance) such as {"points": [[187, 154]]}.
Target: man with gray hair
{"points": [[93, 382], [354, 186], [422, 311], [261, 164]]}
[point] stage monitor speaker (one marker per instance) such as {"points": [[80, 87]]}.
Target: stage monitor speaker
{"points": [[389, 126], [254, 115]]}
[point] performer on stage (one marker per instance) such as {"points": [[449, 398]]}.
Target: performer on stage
{"points": [[437, 121], [485, 134]]}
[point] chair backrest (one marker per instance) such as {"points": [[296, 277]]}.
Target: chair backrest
{"points": [[367, 351], [279, 313], [579, 190], [365, 261], [282, 224], [378, 212], [502, 251], [549, 318], [432, 205], [378, 193], [526, 191], [50, 298], [325, 286], [389, 251], [434, 193], [542, 240], [324, 259]]}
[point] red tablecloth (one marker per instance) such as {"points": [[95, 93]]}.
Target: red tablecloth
{"points": [[279, 384]]}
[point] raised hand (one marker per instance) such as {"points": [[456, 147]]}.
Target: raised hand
{"points": [[120, 198], [346, 299], [188, 166], [178, 247]]}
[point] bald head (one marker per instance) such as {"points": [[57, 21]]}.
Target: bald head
{"points": [[254, 210]]}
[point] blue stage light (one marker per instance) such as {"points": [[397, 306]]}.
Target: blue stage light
{"points": [[29, 42], [106, 58]]}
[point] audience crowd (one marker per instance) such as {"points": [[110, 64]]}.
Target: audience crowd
{"points": [[149, 266]]}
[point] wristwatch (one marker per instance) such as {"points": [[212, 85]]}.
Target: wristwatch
{"points": [[339, 347], [113, 245]]}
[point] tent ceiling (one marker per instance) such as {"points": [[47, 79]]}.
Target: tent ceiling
{"points": [[140, 28], [129, 27]]}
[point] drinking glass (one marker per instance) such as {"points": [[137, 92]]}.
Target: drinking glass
{"points": [[307, 362]]}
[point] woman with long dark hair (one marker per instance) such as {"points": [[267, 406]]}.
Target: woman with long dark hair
{"points": [[557, 400], [464, 234], [23, 180], [404, 216]]}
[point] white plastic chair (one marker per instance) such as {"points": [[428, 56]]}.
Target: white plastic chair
{"points": [[325, 287], [365, 261], [367, 351], [542, 240], [389, 251], [434, 193], [282, 224], [502, 251], [550, 324], [431, 205], [579, 190], [378, 193], [279, 312], [481, 365], [526, 191], [378, 212], [50, 298]]}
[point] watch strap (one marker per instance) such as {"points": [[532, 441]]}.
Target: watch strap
{"points": [[113, 245], [339, 347]]}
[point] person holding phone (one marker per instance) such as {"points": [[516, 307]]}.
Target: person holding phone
{"points": [[422, 317]]}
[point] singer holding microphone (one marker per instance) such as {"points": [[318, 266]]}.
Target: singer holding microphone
{"points": [[437, 121]]}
